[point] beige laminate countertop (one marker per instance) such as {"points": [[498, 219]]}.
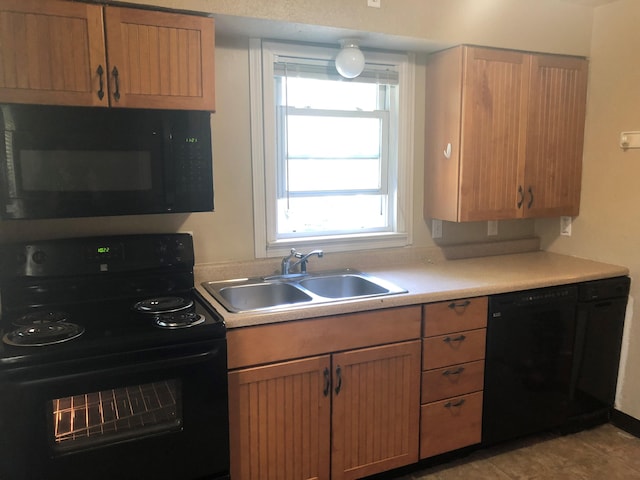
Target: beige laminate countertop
{"points": [[445, 280]]}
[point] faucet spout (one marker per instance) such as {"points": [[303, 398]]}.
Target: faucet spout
{"points": [[304, 258]]}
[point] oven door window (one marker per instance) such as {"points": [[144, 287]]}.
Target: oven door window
{"points": [[99, 418]]}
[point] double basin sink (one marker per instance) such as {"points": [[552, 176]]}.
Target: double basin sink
{"points": [[285, 291]]}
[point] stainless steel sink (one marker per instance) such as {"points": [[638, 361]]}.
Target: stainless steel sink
{"points": [[262, 295], [343, 286], [286, 291]]}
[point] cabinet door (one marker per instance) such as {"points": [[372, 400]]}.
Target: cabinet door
{"points": [[280, 421], [376, 406], [160, 59], [494, 112], [51, 53], [555, 135]]}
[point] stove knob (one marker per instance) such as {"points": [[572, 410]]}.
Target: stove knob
{"points": [[38, 257]]}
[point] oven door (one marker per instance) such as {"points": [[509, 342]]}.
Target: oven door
{"points": [[159, 414]]}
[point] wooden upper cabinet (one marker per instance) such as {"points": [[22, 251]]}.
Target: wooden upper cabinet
{"points": [[55, 52], [555, 135], [504, 133], [51, 53], [160, 60]]}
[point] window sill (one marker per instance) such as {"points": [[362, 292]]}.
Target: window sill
{"points": [[344, 243]]}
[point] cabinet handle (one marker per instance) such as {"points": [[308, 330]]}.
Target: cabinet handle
{"points": [[327, 382], [339, 380], [116, 75], [530, 190], [521, 196], [461, 305], [100, 72], [457, 371], [455, 404], [459, 338]]}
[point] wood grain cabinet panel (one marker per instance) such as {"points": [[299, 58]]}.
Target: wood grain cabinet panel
{"points": [[280, 416], [504, 134], [348, 412], [454, 316], [453, 375], [163, 60], [71, 53], [450, 424], [453, 348], [452, 381], [375, 410], [51, 52]]}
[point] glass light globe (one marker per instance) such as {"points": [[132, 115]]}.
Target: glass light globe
{"points": [[350, 60]]}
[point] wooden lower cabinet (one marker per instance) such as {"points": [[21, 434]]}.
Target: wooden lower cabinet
{"points": [[340, 416], [375, 410], [280, 416], [453, 375], [450, 424]]}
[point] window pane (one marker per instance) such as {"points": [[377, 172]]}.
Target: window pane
{"points": [[333, 137], [315, 175], [333, 214], [328, 94]]}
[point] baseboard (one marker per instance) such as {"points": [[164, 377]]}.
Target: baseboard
{"points": [[626, 422]]}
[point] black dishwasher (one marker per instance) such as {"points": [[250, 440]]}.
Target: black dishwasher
{"points": [[528, 365], [599, 327]]}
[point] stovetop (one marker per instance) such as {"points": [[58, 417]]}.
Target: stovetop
{"points": [[110, 326], [94, 283]]}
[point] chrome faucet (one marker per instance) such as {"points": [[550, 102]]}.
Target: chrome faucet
{"points": [[303, 258]]}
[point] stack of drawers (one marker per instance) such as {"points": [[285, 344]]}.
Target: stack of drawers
{"points": [[453, 350]]}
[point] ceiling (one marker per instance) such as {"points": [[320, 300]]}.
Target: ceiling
{"points": [[260, 28]]}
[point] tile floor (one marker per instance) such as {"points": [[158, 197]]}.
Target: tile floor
{"points": [[602, 453]]}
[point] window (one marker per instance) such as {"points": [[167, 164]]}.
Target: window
{"points": [[332, 157]]}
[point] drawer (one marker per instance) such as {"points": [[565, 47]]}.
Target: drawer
{"points": [[452, 349], [452, 381], [450, 424], [454, 316]]}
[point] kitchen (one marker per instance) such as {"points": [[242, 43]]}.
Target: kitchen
{"points": [[605, 229]]}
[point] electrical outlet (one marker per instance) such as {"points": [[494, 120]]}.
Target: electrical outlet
{"points": [[436, 228], [492, 228], [565, 226], [374, 3]]}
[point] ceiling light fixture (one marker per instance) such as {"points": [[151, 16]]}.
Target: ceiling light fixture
{"points": [[350, 59]]}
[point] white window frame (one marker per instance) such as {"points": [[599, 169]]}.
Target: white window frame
{"points": [[263, 146]]}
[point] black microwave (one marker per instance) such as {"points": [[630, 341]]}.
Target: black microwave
{"points": [[60, 162]]}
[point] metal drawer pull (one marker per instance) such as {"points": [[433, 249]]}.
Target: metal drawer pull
{"points": [[327, 382], [339, 382], [116, 77], [100, 72], [457, 371], [461, 305], [457, 404], [459, 338], [521, 196]]}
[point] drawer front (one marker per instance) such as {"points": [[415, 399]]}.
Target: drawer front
{"points": [[452, 381], [454, 348], [454, 316], [450, 424]]}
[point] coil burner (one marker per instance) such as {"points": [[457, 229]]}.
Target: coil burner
{"points": [[170, 312], [37, 329]]}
